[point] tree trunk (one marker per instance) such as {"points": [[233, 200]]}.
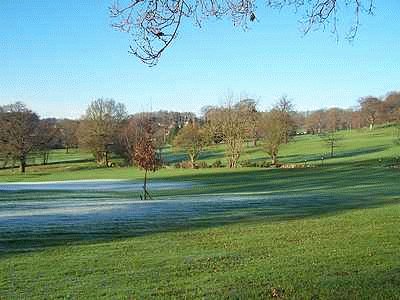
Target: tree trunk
{"points": [[332, 146], [66, 149], [192, 160], [22, 164], [145, 186], [273, 159]]}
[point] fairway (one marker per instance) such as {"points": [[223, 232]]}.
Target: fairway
{"points": [[319, 231]]}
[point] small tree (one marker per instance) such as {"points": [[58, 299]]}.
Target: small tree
{"points": [[146, 155], [331, 139], [273, 133], [276, 126], [192, 140]]}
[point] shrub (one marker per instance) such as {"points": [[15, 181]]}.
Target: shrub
{"points": [[217, 164], [186, 165], [203, 165], [263, 164]]}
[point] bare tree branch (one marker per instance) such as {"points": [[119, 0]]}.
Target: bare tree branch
{"points": [[154, 24]]}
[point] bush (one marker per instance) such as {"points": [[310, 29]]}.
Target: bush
{"points": [[217, 164], [263, 164], [248, 164], [186, 165], [202, 165]]}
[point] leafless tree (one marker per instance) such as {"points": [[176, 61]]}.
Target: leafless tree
{"points": [[331, 138], [146, 154], [231, 124], [154, 24], [128, 136], [285, 108], [69, 133], [371, 108], [19, 130], [391, 107], [275, 126], [99, 128], [191, 139], [46, 138]]}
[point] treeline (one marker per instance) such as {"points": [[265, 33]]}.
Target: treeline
{"points": [[107, 129]]}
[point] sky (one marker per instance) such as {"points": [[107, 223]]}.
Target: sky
{"points": [[58, 56]]}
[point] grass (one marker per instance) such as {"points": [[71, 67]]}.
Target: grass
{"points": [[327, 232]]}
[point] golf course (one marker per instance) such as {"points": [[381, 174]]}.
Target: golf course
{"points": [[318, 227]]}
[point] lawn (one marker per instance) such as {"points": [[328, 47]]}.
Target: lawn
{"points": [[323, 232]]}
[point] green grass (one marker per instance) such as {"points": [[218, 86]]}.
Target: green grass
{"points": [[346, 256], [330, 232], [356, 148]]}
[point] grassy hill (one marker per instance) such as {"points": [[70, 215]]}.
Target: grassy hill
{"points": [[357, 148], [325, 232]]}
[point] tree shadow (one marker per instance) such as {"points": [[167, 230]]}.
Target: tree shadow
{"points": [[226, 197]]}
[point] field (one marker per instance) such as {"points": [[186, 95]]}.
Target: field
{"points": [[329, 230]]}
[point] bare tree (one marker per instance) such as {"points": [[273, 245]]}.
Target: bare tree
{"points": [[69, 133], [191, 139], [285, 109], [19, 129], [46, 138], [99, 128], [155, 24], [391, 107], [314, 122], [248, 108], [128, 136], [371, 108], [230, 124], [273, 133], [146, 155], [331, 138]]}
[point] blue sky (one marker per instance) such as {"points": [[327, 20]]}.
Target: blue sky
{"points": [[58, 56]]}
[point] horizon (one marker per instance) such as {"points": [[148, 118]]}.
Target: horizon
{"points": [[57, 58]]}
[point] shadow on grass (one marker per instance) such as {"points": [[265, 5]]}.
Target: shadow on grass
{"points": [[338, 154], [217, 199]]}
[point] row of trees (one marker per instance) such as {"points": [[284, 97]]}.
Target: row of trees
{"points": [[371, 112], [107, 129]]}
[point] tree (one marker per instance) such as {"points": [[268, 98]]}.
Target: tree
{"points": [[391, 107], [248, 108], [46, 138], [230, 124], [69, 133], [273, 133], [155, 24], [19, 129], [99, 128], [331, 139], [314, 122], [127, 139], [371, 108], [146, 155], [284, 109], [192, 140]]}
